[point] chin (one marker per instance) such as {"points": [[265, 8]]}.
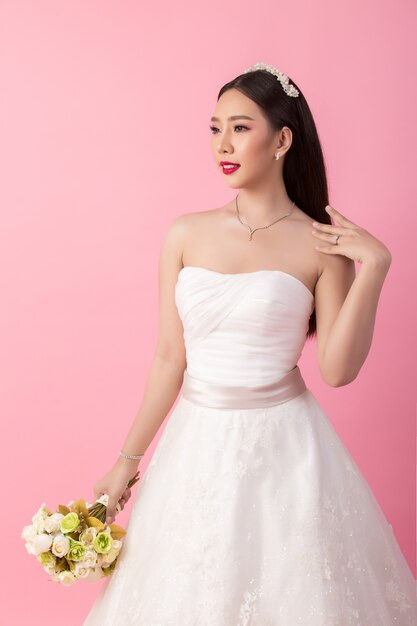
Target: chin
{"points": [[235, 185], [234, 182]]}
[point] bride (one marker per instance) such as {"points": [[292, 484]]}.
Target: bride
{"points": [[251, 510]]}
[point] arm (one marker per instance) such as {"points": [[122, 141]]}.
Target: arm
{"points": [[346, 304], [165, 376], [346, 319]]}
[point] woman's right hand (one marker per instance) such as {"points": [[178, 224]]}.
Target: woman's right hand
{"points": [[114, 484]]}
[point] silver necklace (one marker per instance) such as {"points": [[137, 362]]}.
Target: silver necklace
{"points": [[252, 230]]}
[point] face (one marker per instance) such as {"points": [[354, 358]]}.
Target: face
{"points": [[246, 140]]}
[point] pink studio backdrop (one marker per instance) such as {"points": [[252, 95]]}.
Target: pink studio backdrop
{"points": [[105, 111]]}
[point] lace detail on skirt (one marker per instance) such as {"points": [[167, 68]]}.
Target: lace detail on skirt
{"points": [[256, 518]]}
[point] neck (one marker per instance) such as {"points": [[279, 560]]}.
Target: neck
{"points": [[259, 208]]}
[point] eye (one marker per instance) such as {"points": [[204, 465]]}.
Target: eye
{"points": [[213, 128]]}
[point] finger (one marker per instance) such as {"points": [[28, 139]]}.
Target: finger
{"points": [[326, 236], [330, 249], [341, 219], [330, 228], [126, 494], [111, 510]]}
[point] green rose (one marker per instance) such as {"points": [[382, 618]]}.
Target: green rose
{"points": [[47, 559], [76, 551], [70, 522], [103, 542]]}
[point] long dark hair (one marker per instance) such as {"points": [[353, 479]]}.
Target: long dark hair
{"points": [[304, 170]]}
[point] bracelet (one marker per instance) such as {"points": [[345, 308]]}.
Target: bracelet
{"points": [[134, 457]]}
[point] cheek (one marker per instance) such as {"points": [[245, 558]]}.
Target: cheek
{"points": [[256, 162], [255, 150]]}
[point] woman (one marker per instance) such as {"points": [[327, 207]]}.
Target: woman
{"points": [[252, 511]]}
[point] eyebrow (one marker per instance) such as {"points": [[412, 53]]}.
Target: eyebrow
{"points": [[233, 117]]}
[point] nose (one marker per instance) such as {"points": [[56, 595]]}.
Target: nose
{"points": [[220, 147], [224, 142]]}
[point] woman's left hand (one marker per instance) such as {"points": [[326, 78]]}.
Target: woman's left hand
{"points": [[354, 242]]}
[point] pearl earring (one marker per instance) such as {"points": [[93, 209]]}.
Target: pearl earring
{"points": [[277, 155]]}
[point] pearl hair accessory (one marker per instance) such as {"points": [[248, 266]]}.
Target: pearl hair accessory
{"points": [[290, 90]]}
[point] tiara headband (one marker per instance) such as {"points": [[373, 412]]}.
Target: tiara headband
{"points": [[290, 90]]}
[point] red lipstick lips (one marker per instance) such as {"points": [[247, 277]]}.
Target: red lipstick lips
{"points": [[228, 167]]}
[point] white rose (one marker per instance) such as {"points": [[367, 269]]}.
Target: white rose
{"points": [[28, 532], [60, 545], [38, 519], [52, 522], [87, 536], [109, 557], [29, 547], [81, 569], [90, 558], [94, 574], [117, 544], [66, 578], [40, 543]]}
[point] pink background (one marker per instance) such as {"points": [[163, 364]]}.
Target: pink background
{"points": [[105, 111]]}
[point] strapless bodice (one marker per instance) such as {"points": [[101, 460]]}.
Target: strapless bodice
{"points": [[242, 329]]}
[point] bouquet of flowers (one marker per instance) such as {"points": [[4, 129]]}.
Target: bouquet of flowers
{"points": [[75, 542]]}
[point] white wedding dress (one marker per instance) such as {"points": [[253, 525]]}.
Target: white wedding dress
{"points": [[252, 512]]}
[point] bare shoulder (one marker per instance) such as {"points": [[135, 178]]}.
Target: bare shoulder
{"points": [[193, 218], [182, 224], [187, 226], [180, 233], [176, 233]]}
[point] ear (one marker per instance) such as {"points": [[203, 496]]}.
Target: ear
{"points": [[284, 140]]}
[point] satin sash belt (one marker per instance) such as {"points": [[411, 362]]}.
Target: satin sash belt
{"points": [[212, 395]]}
